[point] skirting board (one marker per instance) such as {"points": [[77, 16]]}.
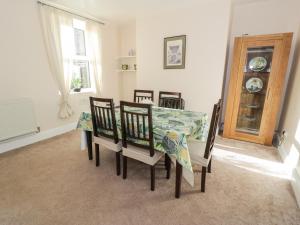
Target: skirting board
{"points": [[295, 179], [282, 153], [23, 141], [296, 185]]}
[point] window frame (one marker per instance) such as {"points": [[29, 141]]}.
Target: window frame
{"points": [[86, 57]]}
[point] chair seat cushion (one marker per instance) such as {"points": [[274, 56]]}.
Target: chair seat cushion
{"points": [[197, 150], [142, 155], [147, 101], [108, 143]]}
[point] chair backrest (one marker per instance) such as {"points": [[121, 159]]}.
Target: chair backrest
{"points": [[170, 100], [140, 95], [213, 129], [104, 118], [137, 128]]}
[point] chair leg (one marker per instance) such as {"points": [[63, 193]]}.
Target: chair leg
{"points": [[124, 167], [209, 166], [118, 166], [97, 153], [89, 141], [152, 178], [166, 161], [203, 177], [168, 165]]}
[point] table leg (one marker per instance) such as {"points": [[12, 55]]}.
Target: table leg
{"points": [[178, 179], [89, 144], [168, 165]]}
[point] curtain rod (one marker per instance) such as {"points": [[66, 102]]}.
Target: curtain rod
{"points": [[68, 10]]}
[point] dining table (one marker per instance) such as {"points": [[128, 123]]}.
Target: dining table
{"points": [[172, 131]]}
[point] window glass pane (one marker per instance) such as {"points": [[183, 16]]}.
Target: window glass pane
{"points": [[81, 74], [256, 77], [79, 42]]}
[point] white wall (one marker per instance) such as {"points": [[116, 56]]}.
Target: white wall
{"points": [[206, 26], [127, 42], [111, 50], [290, 149], [264, 17], [24, 67]]}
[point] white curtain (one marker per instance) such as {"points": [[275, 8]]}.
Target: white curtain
{"points": [[94, 46], [57, 29]]}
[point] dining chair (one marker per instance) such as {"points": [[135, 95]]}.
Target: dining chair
{"points": [[137, 137], [105, 128], [142, 95], [201, 152], [170, 100]]}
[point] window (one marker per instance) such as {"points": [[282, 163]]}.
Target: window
{"points": [[79, 41], [81, 76]]}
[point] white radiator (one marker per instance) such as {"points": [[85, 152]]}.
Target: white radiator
{"points": [[17, 118]]}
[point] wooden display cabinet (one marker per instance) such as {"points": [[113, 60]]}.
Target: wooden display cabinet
{"points": [[255, 89]]}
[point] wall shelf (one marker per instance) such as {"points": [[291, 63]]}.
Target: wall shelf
{"points": [[121, 71], [129, 60]]}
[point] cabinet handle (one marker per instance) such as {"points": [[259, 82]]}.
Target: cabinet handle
{"points": [[268, 93]]}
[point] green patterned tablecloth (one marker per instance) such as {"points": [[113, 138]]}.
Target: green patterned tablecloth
{"points": [[171, 127]]}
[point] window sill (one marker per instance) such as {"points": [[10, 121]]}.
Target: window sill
{"points": [[83, 91]]}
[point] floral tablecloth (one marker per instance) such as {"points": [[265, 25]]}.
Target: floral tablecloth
{"points": [[171, 127]]}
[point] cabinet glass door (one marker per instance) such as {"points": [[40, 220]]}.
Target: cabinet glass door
{"points": [[254, 89]]}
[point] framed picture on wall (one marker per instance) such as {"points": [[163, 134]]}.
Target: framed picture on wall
{"points": [[174, 52]]}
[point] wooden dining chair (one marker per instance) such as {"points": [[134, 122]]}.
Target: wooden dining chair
{"points": [[141, 95], [137, 137], [105, 128], [170, 100], [201, 153]]}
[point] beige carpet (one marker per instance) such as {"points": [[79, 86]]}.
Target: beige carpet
{"points": [[53, 182]]}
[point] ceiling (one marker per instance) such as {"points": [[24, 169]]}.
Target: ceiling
{"points": [[124, 10]]}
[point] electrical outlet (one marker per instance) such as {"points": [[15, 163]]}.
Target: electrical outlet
{"points": [[283, 137], [284, 134]]}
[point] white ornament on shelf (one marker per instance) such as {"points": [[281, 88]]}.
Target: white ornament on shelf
{"points": [[131, 52]]}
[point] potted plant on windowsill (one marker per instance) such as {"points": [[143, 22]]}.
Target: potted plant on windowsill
{"points": [[76, 85]]}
